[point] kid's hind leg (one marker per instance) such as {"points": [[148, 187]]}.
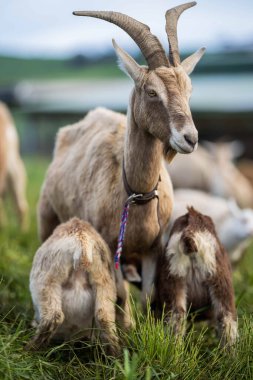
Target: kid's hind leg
{"points": [[175, 304], [45, 331], [47, 218], [17, 180], [50, 316], [105, 317], [123, 309], [222, 295], [226, 325]]}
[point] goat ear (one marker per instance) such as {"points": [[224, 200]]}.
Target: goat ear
{"points": [[236, 149], [190, 62], [233, 207], [128, 64]]}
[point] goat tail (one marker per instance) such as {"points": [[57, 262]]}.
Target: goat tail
{"points": [[188, 242]]}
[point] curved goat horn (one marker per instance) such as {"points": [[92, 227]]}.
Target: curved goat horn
{"points": [[148, 43], [172, 16]]}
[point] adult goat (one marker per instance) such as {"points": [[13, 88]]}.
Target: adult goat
{"points": [[85, 178]]}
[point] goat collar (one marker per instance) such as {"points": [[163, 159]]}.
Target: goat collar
{"points": [[133, 198], [139, 198]]}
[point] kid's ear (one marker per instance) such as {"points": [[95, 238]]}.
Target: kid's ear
{"points": [[190, 62], [128, 64]]}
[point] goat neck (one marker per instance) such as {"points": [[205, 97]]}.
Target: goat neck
{"points": [[142, 155]]}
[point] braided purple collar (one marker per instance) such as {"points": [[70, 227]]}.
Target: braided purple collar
{"points": [[133, 199]]}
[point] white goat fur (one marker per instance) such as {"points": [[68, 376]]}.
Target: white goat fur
{"points": [[234, 226], [72, 282], [12, 170], [212, 170]]}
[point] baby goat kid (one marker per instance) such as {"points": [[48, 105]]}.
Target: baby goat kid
{"points": [[193, 274], [72, 283]]}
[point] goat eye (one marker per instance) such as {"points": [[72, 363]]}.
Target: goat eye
{"points": [[152, 93]]}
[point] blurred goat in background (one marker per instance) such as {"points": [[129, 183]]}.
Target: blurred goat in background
{"points": [[246, 168], [12, 170], [211, 169]]}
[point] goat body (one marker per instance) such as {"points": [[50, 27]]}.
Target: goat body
{"points": [[72, 283], [12, 170], [85, 180], [193, 274]]}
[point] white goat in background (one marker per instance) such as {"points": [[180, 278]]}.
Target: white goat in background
{"points": [[234, 225], [211, 169], [12, 170]]}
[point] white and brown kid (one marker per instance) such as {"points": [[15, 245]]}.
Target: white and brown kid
{"points": [[194, 274], [72, 283]]}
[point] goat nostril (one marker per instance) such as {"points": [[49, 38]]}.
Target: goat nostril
{"points": [[191, 141]]}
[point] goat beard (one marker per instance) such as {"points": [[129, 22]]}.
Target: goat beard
{"points": [[169, 155]]}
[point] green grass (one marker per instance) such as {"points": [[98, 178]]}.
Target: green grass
{"points": [[150, 352], [14, 69]]}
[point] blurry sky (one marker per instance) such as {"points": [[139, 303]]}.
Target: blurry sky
{"points": [[48, 28]]}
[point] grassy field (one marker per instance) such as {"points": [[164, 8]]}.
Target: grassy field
{"points": [[14, 69], [149, 351]]}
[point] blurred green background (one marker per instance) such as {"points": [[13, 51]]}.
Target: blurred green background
{"points": [[45, 94]]}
